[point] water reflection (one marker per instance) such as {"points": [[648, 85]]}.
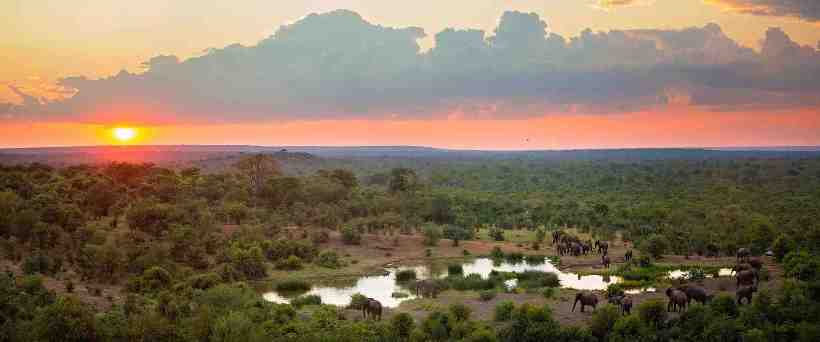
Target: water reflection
{"points": [[681, 274], [382, 287]]}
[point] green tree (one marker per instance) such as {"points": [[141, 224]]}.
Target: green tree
{"points": [[65, 320]]}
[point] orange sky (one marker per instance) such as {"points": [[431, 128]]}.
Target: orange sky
{"points": [[684, 127], [42, 41]]}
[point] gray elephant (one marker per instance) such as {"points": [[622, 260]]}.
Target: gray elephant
{"points": [[696, 293], [586, 298], [427, 288], [623, 302], [745, 292], [373, 309], [677, 300], [605, 261], [743, 254], [747, 277]]}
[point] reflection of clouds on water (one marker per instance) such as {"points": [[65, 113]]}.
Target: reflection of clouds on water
{"points": [[680, 274], [382, 287]]}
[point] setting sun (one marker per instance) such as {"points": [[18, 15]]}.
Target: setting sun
{"points": [[124, 134]]}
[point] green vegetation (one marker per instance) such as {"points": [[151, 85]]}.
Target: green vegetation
{"points": [[180, 244]]}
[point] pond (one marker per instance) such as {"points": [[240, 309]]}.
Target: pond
{"points": [[382, 287]]}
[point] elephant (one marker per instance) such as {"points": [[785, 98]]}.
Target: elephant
{"points": [[586, 247], [372, 309], [695, 293], [628, 255], [623, 302], [605, 261], [427, 288], [556, 236], [677, 300], [741, 267], [743, 254], [576, 249], [586, 298], [602, 246], [756, 263], [745, 292], [747, 277]]}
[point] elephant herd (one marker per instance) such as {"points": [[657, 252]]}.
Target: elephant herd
{"points": [[568, 244], [623, 302]]}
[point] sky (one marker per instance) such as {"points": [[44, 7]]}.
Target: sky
{"points": [[525, 74]]}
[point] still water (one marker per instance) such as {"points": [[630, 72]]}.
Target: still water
{"points": [[382, 287]]}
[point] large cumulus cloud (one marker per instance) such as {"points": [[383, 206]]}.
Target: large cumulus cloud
{"points": [[338, 65], [808, 10]]}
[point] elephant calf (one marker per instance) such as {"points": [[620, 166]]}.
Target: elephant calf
{"points": [[586, 298], [745, 292]]}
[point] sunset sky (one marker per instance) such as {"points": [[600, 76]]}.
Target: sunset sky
{"points": [[525, 74]]}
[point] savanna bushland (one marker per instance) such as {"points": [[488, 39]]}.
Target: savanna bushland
{"points": [[124, 251]]}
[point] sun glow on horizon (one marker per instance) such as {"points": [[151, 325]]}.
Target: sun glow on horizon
{"points": [[124, 134]]}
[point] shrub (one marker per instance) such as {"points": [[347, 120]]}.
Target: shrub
{"points": [[428, 252], [457, 233], [540, 235], [291, 263], [293, 285], [655, 245], [603, 321], [515, 257], [455, 269], [802, 266], [486, 295], [156, 278], [204, 281], [653, 312], [614, 290], [496, 234], [460, 312], [319, 237], [504, 310], [329, 259], [351, 236], [37, 263], [301, 301], [470, 282], [357, 301], [696, 274], [69, 286], [406, 275], [724, 304], [549, 292], [465, 252], [497, 253], [432, 234], [534, 279], [402, 324]]}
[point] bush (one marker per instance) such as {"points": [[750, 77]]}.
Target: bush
{"points": [[535, 279], [653, 312], [504, 310], [460, 312], [428, 252], [69, 286], [329, 259], [454, 269], [293, 285], [319, 237], [301, 301], [487, 295], [470, 282], [351, 236], [603, 321], [496, 234], [802, 266], [724, 304], [406, 275], [357, 301], [465, 252], [614, 290], [204, 281], [291, 263], [696, 274], [432, 234], [37, 263], [549, 292], [497, 253], [458, 233], [402, 324], [514, 257], [655, 245]]}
